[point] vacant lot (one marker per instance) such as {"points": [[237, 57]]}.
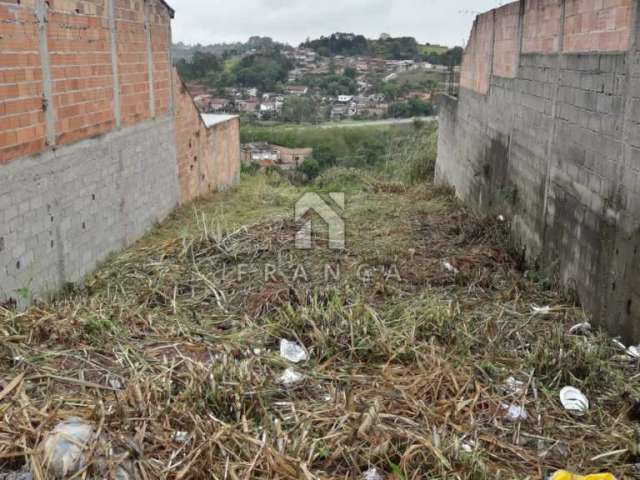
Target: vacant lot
{"points": [[411, 335]]}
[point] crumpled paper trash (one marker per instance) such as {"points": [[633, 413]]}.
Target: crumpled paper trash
{"points": [[292, 352], [290, 377]]}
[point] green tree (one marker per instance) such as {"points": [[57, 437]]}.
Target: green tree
{"points": [[299, 110], [351, 73], [263, 70], [200, 65], [414, 107]]}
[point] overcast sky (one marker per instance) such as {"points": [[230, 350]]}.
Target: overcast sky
{"points": [[292, 21]]}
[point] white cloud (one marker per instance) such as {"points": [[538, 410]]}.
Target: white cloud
{"points": [[212, 21]]}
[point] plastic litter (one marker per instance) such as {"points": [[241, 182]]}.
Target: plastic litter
{"points": [[574, 401], [290, 377], [16, 476], [633, 351], [581, 329], [501, 218], [114, 382], [450, 268], [514, 386], [536, 310], [468, 446], [65, 447], [372, 474], [180, 437], [515, 413], [564, 475], [292, 351]]}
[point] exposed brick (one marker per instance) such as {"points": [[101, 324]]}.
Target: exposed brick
{"points": [[597, 26], [505, 55], [208, 158], [541, 28], [476, 65]]}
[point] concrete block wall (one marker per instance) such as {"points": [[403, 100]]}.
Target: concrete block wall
{"points": [[62, 212], [555, 147]]}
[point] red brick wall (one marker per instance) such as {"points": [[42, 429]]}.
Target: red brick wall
{"points": [[132, 61], [160, 23], [476, 64], [22, 127], [505, 55], [597, 25], [542, 23], [208, 158], [80, 69], [588, 26], [189, 134], [78, 38]]}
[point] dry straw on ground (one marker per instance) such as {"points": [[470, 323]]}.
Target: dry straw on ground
{"points": [[173, 357]]}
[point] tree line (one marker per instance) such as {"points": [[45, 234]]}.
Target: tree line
{"points": [[386, 47]]}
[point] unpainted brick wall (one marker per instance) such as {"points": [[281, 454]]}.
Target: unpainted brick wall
{"points": [[208, 158], [58, 81], [160, 27], [506, 44], [557, 150], [22, 123], [80, 63], [476, 68], [542, 26], [133, 61]]}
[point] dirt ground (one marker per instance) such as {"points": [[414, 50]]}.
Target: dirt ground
{"points": [[419, 340]]}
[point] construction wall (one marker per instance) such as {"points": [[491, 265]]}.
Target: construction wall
{"points": [[550, 136], [208, 155], [294, 156], [88, 159]]}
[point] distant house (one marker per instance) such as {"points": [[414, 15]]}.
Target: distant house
{"points": [[293, 157], [265, 155], [341, 110], [345, 98], [247, 105], [210, 104], [216, 105], [268, 107], [297, 89], [362, 66], [252, 92], [262, 154]]}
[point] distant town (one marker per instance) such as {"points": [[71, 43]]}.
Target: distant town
{"points": [[343, 76]]}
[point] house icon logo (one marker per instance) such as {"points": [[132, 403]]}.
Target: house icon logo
{"points": [[312, 202]]}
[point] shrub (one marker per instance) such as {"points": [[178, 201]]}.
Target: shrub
{"points": [[310, 168]]}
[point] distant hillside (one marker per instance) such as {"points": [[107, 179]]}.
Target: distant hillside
{"points": [[387, 47], [182, 51]]}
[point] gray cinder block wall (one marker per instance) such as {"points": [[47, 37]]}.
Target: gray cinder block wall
{"points": [[556, 148], [64, 211]]}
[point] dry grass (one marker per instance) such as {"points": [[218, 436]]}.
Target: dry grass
{"points": [[406, 372]]}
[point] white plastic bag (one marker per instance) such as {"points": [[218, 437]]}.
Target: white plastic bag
{"points": [[292, 352], [66, 446]]}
